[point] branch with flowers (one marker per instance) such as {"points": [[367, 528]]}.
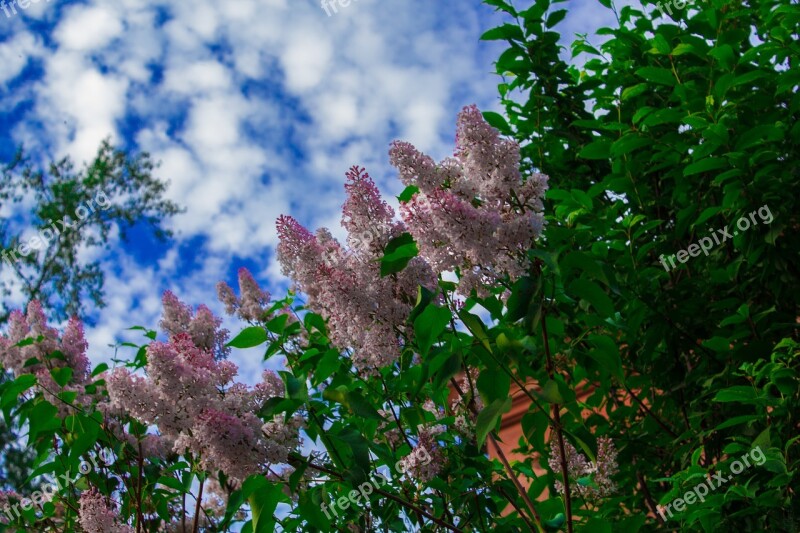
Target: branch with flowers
{"points": [[415, 341]]}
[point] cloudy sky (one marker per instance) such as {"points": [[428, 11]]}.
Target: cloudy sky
{"points": [[255, 108]]}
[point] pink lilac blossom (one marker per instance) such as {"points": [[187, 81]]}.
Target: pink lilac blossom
{"points": [[388, 429], [472, 205], [97, 516], [253, 302], [202, 326], [466, 406], [365, 311], [426, 460], [43, 342], [190, 396], [579, 467]]}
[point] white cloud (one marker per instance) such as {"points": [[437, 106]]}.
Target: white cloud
{"points": [[254, 109], [86, 28]]}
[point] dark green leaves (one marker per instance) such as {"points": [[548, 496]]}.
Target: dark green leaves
{"points": [[429, 325], [506, 31], [657, 75], [592, 293], [489, 417], [263, 497], [399, 251]]}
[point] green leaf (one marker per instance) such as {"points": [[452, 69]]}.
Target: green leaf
{"points": [[629, 143], [399, 251], [409, 192], [263, 501], [361, 407], [718, 344], [496, 120], [249, 337], [171, 482], [606, 353], [102, 367], [476, 327], [493, 384], [555, 17], [705, 165], [506, 31], [488, 418], [314, 321], [684, 48], [596, 150], [429, 325], [276, 325], [15, 388], [295, 388], [522, 293], [740, 394], [550, 392], [592, 293], [634, 91], [556, 522], [43, 418], [657, 75]]}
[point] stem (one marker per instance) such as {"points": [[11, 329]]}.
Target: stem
{"points": [[197, 509], [391, 496], [506, 465], [517, 484], [651, 413], [139, 517], [557, 428], [648, 497]]}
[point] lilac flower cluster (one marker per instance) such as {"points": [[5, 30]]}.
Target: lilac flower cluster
{"points": [[579, 468], [39, 341], [464, 210], [190, 396], [364, 310], [98, 516], [253, 303], [473, 204]]}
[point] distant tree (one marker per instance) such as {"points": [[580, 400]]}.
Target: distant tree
{"points": [[121, 190], [73, 211]]}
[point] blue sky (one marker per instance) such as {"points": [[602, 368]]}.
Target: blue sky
{"points": [[255, 108]]}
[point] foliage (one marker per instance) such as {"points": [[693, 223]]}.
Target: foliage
{"points": [[639, 380], [671, 129], [56, 274]]}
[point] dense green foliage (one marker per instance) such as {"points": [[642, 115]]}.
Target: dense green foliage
{"points": [[56, 274], [671, 129]]}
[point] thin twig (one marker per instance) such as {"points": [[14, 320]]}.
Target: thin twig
{"points": [[649, 412], [198, 509], [557, 428]]}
